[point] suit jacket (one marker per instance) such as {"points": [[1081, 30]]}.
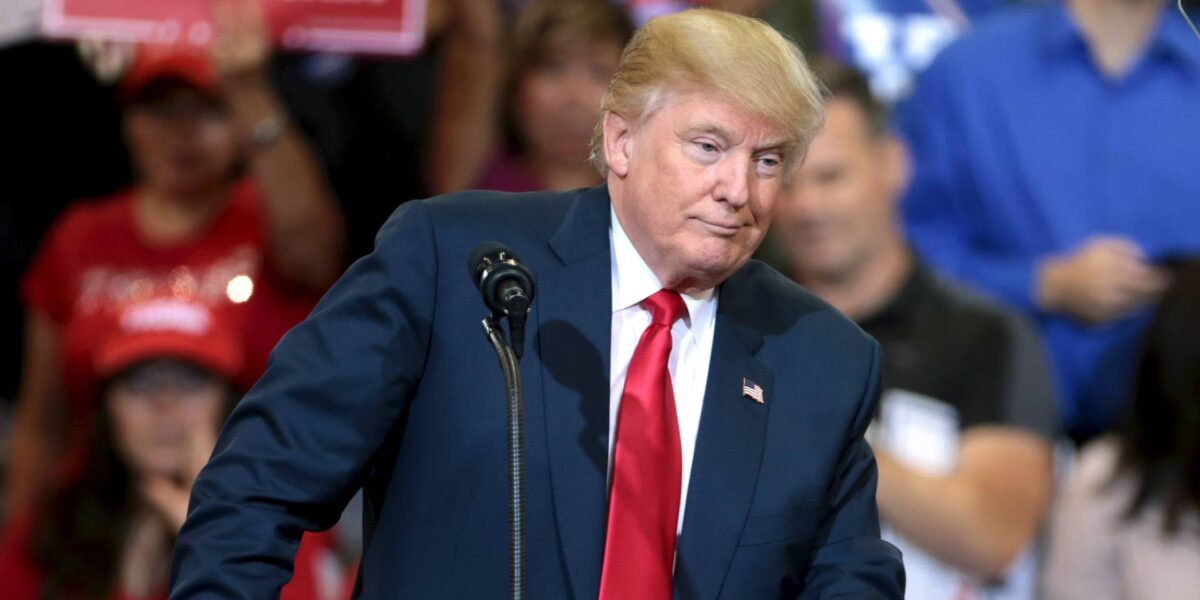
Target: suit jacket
{"points": [[391, 386]]}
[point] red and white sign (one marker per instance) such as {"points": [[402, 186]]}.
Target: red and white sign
{"points": [[368, 26]]}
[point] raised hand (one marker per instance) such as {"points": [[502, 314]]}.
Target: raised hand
{"points": [[169, 494], [241, 46]]}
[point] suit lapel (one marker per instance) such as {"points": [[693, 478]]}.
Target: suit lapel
{"points": [[729, 448], [575, 323]]}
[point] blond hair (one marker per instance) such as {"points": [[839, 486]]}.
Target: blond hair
{"points": [[741, 58]]}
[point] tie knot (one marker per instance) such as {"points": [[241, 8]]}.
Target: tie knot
{"points": [[665, 307]]}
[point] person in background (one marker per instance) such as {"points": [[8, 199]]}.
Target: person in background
{"points": [[777, 482], [1051, 148], [527, 130], [163, 373], [1127, 523], [229, 207], [964, 433]]}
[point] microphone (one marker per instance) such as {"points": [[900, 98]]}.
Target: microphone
{"points": [[505, 284]]}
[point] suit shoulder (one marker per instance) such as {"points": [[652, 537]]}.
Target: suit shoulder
{"points": [[779, 308], [491, 206]]}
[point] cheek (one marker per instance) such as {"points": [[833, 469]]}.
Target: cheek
{"points": [[144, 139], [539, 95], [127, 420], [196, 414], [765, 199], [132, 426], [219, 140]]}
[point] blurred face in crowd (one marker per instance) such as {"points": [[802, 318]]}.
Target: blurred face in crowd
{"points": [[181, 140], [159, 410], [694, 184], [838, 209], [557, 99]]}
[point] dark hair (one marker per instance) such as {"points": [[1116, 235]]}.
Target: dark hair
{"points": [[1160, 440], [846, 83], [543, 22], [78, 534]]}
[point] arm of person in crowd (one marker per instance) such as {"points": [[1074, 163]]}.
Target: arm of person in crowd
{"points": [[40, 419], [300, 443], [1104, 279], [305, 232], [981, 516], [467, 98], [854, 561]]}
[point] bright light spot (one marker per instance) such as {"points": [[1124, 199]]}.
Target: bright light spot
{"points": [[240, 289]]}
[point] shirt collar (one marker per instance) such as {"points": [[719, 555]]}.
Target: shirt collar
{"points": [[1060, 33], [633, 281], [1171, 36]]}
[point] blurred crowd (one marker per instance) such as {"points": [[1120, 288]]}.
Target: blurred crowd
{"points": [[1006, 195]]}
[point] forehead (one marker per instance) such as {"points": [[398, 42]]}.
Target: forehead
{"points": [[688, 112], [844, 132]]}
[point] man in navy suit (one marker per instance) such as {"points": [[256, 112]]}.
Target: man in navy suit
{"points": [[694, 421]]}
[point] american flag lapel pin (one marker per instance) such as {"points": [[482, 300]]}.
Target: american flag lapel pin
{"points": [[752, 390]]}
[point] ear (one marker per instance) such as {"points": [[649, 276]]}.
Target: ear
{"points": [[897, 165], [618, 143]]}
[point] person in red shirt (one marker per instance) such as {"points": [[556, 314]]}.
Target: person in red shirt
{"points": [[229, 208], [163, 373]]}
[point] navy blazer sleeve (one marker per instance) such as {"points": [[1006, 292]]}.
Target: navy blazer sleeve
{"points": [[299, 444], [854, 562]]}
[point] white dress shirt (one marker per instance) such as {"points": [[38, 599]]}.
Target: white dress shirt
{"points": [[691, 346]]}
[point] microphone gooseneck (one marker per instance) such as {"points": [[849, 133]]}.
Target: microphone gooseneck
{"points": [[507, 289]]}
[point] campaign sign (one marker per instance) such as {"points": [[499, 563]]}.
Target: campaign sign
{"points": [[363, 26]]}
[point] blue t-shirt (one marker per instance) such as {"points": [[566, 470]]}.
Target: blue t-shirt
{"points": [[1023, 148]]}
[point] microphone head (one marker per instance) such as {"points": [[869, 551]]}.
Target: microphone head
{"points": [[484, 255], [498, 273]]}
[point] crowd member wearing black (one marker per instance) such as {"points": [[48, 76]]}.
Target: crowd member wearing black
{"points": [[964, 434]]}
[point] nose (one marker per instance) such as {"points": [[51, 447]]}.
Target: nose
{"points": [[733, 184]]}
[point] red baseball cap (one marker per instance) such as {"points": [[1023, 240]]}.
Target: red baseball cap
{"points": [[168, 328], [153, 62]]}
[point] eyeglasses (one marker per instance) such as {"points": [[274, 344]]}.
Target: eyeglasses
{"points": [[1183, 12]]}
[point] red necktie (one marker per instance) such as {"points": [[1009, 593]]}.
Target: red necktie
{"points": [[643, 507]]}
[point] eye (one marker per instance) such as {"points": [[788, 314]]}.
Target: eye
{"points": [[707, 146], [768, 165]]}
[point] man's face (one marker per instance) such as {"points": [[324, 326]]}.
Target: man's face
{"points": [[694, 185], [181, 140], [839, 206]]}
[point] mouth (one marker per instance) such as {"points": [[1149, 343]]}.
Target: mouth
{"points": [[723, 229]]}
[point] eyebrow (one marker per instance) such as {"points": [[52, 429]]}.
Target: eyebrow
{"points": [[712, 129], [778, 145]]}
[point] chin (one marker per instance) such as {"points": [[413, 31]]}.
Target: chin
{"points": [[710, 273]]}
